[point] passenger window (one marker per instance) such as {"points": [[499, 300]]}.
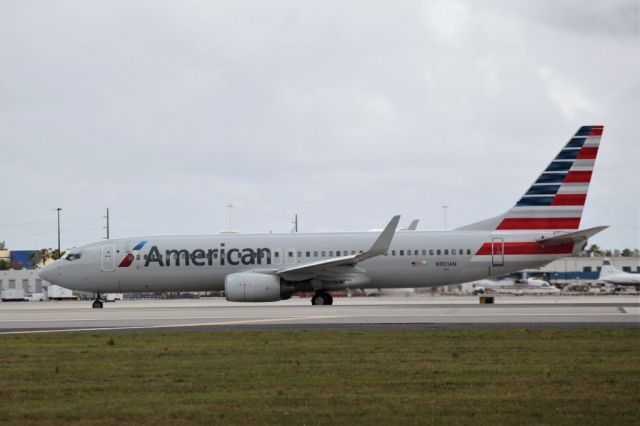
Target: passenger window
{"points": [[424, 252], [408, 252], [290, 254], [461, 251], [137, 257], [315, 254], [431, 252], [393, 252], [453, 251], [360, 252], [337, 252], [308, 254], [323, 253], [299, 254], [468, 251], [277, 254], [438, 252], [353, 252], [446, 251]]}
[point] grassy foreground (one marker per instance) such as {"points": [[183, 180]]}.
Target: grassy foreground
{"points": [[422, 376]]}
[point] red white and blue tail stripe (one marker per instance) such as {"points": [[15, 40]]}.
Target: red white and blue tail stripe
{"points": [[556, 199]]}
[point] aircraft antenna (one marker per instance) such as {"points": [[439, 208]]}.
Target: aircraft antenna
{"points": [[229, 207]]}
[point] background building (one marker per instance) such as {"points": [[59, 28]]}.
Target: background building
{"points": [[26, 279], [586, 269]]}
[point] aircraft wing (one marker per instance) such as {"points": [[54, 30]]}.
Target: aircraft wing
{"points": [[336, 266], [572, 237]]}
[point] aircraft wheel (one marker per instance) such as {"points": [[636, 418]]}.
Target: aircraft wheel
{"points": [[322, 298], [97, 304], [318, 299]]}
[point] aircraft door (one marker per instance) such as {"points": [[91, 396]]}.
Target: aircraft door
{"points": [[108, 258], [497, 252]]}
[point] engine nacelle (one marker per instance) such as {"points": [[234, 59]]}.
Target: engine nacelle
{"points": [[254, 287]]}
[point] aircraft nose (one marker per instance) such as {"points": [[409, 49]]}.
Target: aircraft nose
{"points": [[50, 272]]}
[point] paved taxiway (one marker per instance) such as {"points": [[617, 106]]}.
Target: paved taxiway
{"points": [[296, 312]]}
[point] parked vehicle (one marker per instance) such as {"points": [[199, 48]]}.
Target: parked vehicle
{"points": [[112, 297], [55, 292], [35, 297], [13, 295]]}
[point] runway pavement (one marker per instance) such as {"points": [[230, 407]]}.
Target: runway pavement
{"points": [[29, 317]]}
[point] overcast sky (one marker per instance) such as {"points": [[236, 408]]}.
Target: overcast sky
{"points": [[343, 112]]}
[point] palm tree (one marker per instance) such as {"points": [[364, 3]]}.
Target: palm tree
{"points": [[595, 250], [34, 258], [45, 254]]}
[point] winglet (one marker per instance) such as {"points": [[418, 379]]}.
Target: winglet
{"points": [[381, 246], [413, 225]]}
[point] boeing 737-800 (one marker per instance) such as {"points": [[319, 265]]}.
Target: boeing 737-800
{"points": [[541, 227]]}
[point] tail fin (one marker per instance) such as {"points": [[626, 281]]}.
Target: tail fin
{"points": [[556, 199], [608, 269]]}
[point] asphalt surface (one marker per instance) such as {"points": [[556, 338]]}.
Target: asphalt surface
{"points": [[386, 312]]}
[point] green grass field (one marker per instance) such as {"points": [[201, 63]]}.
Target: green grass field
{"points": [[422, 376]]}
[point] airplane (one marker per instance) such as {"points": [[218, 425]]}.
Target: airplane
{"points": [[518, 287], [611, 274], [542, 226]]}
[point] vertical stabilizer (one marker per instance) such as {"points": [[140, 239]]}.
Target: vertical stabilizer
{"points": [[608, 269], [556, 199]]}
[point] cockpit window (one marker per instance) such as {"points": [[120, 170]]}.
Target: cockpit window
{"points": [[73, 256]]}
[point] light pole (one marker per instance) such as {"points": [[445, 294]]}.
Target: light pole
{"points": [[58, 210]]}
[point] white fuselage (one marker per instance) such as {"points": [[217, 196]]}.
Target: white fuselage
{"points": [[201, 263], [511, 286], [622, 278]]}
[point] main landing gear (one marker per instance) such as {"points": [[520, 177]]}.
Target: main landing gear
{"points": [[97, 304], [322, 298]]}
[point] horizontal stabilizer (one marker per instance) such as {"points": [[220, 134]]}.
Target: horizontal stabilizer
{"points": [[572, 237]]}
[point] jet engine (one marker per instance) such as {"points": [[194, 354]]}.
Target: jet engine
{"points": [[255, 287]]}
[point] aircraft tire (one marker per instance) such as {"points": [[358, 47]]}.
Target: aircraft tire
{"points": [[97, 304], [321, 298]]}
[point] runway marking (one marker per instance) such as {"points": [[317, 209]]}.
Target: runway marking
{"points": [[622, 310], [301, 318], [109, 319], [137, 327]]}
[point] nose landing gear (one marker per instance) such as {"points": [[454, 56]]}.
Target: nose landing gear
{"points": [[322, 298], [97, 304]]}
